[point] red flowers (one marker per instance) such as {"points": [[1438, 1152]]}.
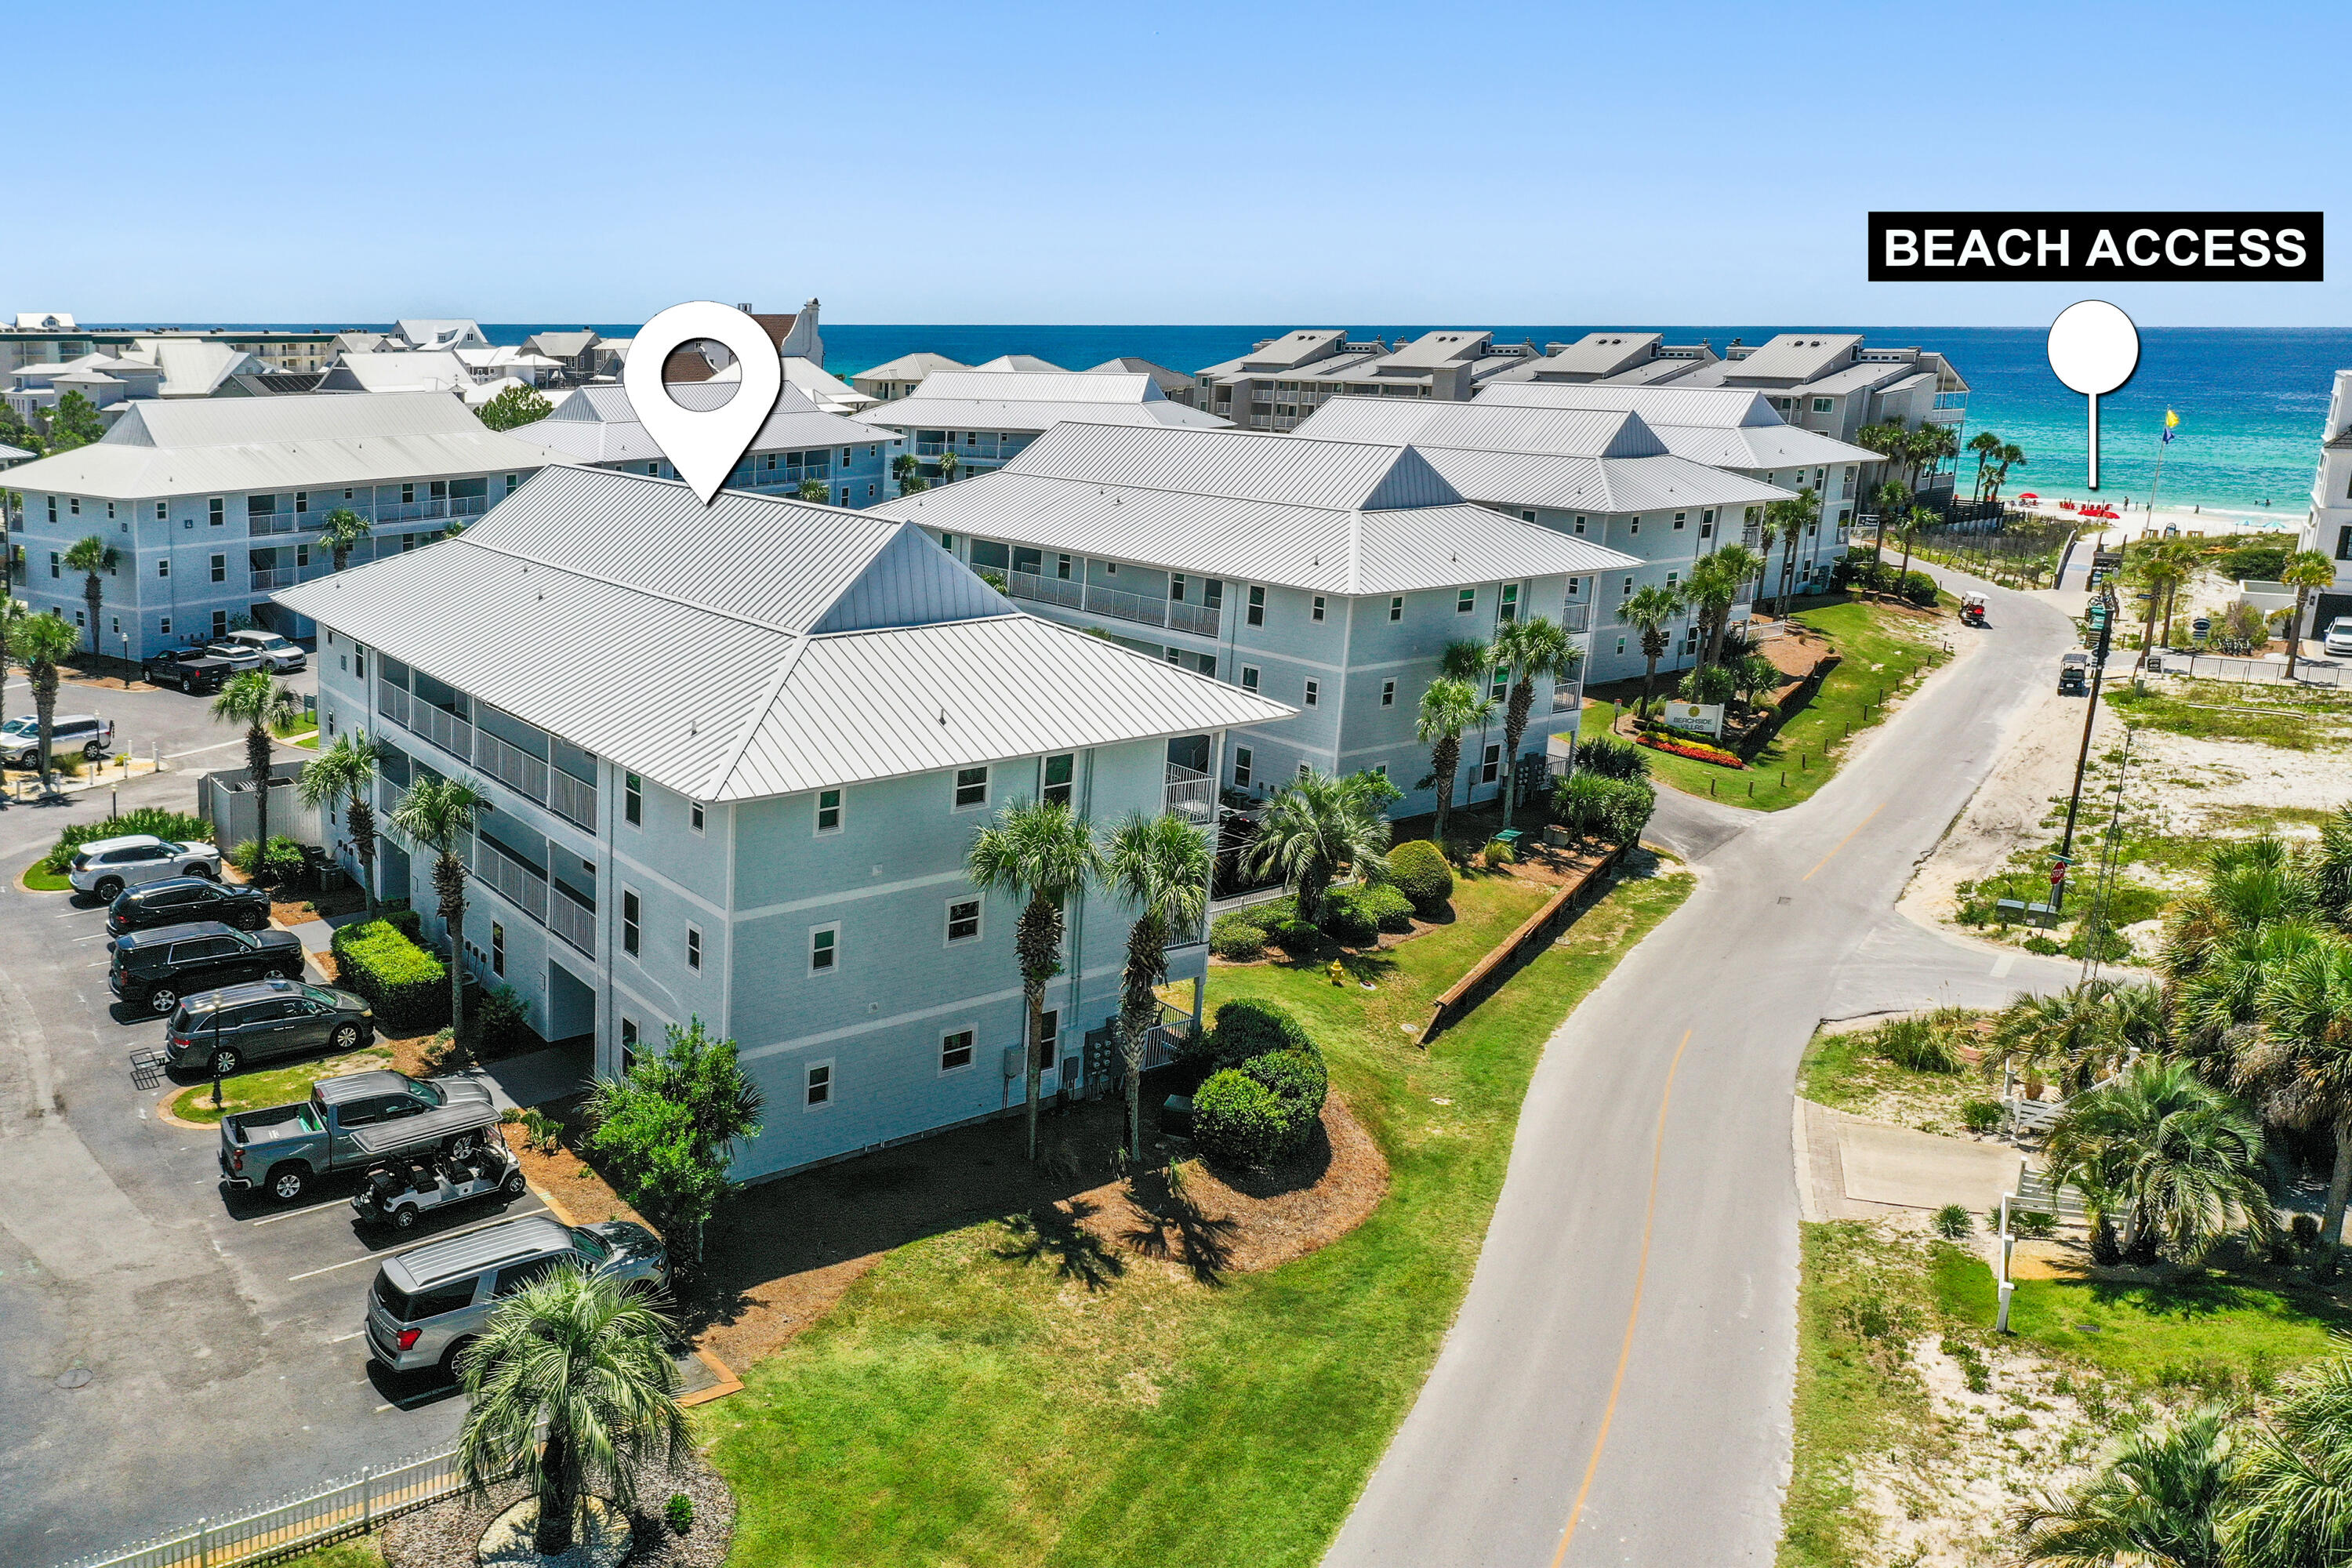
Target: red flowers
{"points": [[1698, 750]]}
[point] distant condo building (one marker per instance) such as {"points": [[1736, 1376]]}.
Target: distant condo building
{"points": [[35, 337], [2328, 527], [987, 418], [1283, 380], [799, 444]]}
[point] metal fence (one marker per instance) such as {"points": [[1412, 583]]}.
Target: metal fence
{"points": [[2245, 672], [348, 1507]]}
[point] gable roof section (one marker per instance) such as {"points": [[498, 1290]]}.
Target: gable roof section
{"points": [[1234, 465], [1485, 427], [599, 425], [1722, 426], [773, 646]]}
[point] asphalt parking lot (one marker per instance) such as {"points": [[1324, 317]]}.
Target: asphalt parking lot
{"points": [[221, 1339]]}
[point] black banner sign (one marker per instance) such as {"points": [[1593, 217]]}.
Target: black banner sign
{"points": [[2098, 247]]}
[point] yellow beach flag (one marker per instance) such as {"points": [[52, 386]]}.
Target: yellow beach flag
{"points": [[2171, 423]]}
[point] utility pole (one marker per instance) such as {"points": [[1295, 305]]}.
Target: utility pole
{"points": [[2101, 614]]}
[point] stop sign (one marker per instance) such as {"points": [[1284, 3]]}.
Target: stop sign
{"points": [[2057, 875]]}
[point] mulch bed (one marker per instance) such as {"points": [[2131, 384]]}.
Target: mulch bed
{"points": [[444, 1536]]}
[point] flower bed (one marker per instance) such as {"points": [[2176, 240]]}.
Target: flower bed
{"points": [[1699, 751]]}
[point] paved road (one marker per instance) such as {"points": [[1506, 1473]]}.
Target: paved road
{"points": [[1616, 1388]]}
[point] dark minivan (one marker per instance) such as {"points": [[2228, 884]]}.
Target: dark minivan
{"points": [[222, 1030], [156, 968], [176, 901]]}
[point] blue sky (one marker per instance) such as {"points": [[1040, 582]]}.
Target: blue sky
{"points": [[1133, 163]]}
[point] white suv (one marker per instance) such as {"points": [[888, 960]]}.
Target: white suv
{"points": [[20, 738], [107, 866], [2339, 638], [277, 654]]}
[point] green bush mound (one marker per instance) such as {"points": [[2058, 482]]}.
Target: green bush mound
{"points": [[381, 961], [1418, 871], [1237, 937], [1612, 758], [1265, 1099], [1352, 914], [1610, 808], [179, 827]]}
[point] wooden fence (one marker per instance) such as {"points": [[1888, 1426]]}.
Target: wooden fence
{"points": [[1538, 932]]}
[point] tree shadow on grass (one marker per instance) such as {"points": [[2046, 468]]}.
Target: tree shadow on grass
{"points": [[1054, 1231], [1172, 1228]]}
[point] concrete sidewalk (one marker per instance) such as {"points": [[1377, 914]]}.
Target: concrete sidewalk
{"points": [[1852, 1168]]}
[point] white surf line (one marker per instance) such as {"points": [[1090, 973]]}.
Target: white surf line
{"points": [[387, 1252]]}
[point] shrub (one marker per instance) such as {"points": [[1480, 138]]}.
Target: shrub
{"points": [[1612, 758], [1390, 909], [1919, 589], [246, 856], [1917, 1045], [2043, 945], [1346, 918], [180, 826], [1418, 871], [1237, 1120], [678, 1513], [1683, 745], [501, 1022], [540, 1132], [279, 862], [2032, 1224], [1982, 1115], [2304, 1230], [1244, 1029], [407, 986], [1953, 1222], [1298, 1080], [1237, 937], [2253, 563], [1614, 809], [1714, 684], [1295, 936]]}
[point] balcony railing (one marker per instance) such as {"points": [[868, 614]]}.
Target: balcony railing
{"points": [[269, 577], [443, 728], [257, 526], [1046, 590], [1576, 618], [571, 799], [520, 885], [510, 765], [572, 920], [392, 701], [1189, 794]]}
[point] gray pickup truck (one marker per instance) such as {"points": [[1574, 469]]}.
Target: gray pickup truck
{"points": [[286, 1147]]}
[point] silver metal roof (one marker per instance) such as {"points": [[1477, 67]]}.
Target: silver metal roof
{"points": [[598, 425], [1795, 356], [1722, 426], [924, 411], [912, 366], [169, 446], [1607, 485], [1009, 386], [1485, 427], [735, 622]]}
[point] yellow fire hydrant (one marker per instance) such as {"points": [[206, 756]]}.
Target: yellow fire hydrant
{"points": [[1337, 972]]}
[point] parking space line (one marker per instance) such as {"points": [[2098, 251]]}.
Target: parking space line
{"points": [[388, 1251], [92, 937], [200, 750], [297, 1214], [339, 1339]]}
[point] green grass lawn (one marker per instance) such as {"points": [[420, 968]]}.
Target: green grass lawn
{"points": [[1844, 1072], [276, 1086], [357, 1552], [41, 879], [1882, 646], [2216, 711], [962, 1407]]}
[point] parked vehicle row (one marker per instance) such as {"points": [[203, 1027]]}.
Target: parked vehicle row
{"points": [[286, 1147], [106, 867], [20, 738], [427, 1304], [197, 670]]}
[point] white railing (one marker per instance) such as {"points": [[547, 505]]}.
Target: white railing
{"points": [[1189, 793], [1198, 619], [261, 524], [443, 728], [510, 880], [1126, 607], [392, 701], [1046, 590], [348, 1507], [572, 920], [510, 765], [1576, 618], [573, 799]]}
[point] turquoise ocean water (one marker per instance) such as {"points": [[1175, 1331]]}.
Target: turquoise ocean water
{"points": [[2251, 401]]}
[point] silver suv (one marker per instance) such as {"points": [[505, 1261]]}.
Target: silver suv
{"points": [[427, 1305], [20, 738]]}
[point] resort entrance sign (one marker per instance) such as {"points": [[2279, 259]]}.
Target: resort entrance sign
{"points": [[2096, 247]]}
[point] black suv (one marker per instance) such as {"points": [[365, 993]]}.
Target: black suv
{"points": [[192, 669], [158, 967], [176, 901], [224, 1029]]}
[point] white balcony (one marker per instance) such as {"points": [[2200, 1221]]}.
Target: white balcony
{"points": [[1189, 793]]}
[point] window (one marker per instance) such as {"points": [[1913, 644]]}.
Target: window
{"points": [[1249, 678], [1499, 685], [1633, 525], [1049, 1031], [1466, 601], [1490, 766], [1176, 587], [220, 623], [1062, 568], [1396, 608], [1822, 404], [633, 800], [1054, 778], [1706, 523], [53, 508], [971, 788], [1388, 693], [824, 949], [947, 542], [220, 568], [1681, 517], [820, 1085], [1241, 767], [963, 920], [1256, 616], [1314, 694], [1629, 588], [632, 911], [163, 567], [1304, 773], [161, 512], [163, 626], [955, 1049], [1316, 613], [828, 811], [1621, 647], [694, 815], [1575, 589], [407, 493], [301, 501], [512, 481], [693, 948], [73, 505], [1579, 525], [1527, 516], [498, 948], [629, 1037], [212, 507], [1509, 608], [2343, 545]]}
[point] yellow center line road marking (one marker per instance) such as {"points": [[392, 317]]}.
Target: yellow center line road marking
{"points": [[420, 1241], [1633, 1313], [1846, 840]]}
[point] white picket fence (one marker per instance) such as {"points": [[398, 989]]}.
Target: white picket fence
{"points": [[347, 1507]]}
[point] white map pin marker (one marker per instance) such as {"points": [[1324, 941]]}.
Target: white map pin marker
{"points": [[703, 444], [2094, 348]]}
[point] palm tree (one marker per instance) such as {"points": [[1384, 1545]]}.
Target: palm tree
{"points": [[587, 1360], [347, 769], [42, 642], [440, 814], [1920, 517], [2290, 1498], [1647, 612], [1530, 650], [2299, 1066], [2331, 866], [2219, 1005], [2158, 571], [1448, 706], [259, 701], [2305, 570], [2073, 1033], [1714, 586], [904, 467], [949, 464], [2175, 1159], [341, 533], [1894, 501], [92, 557], [13, 615], [2248, 884], [1987, 446], [1789, 517], [2154, 1501], [814, 490], [1316, 826], [1161, 864], [1039, 854], [1930, 445], [2011, 455]]}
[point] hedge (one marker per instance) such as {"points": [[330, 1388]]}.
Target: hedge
{"points": [[1346, 918], [1238, 1121], [1614, 809], [407, 986], [1390, 909], [1418, 871], [1237, 937], [1612, 758], [1245, 1029], [1698, 750], [1265, 1099], [179, 827]]}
